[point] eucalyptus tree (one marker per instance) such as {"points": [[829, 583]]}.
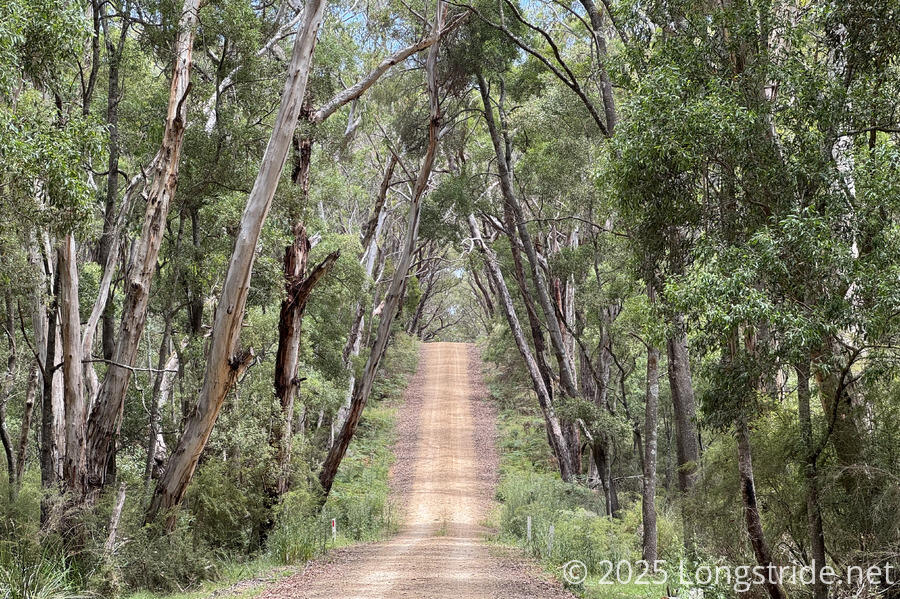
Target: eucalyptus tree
{"points": [[733, 149]]}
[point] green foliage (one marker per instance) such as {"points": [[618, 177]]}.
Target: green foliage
{"points": [[359, 500], [29, 572]]}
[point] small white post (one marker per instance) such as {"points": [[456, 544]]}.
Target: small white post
{"points": [[333, 530], [528, 529], [550, 540]]}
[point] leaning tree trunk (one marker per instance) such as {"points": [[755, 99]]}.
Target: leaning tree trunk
{"points": [[648, 495], [398, 282], [106, 417], [566, 367], [555, 434], [751, 509], [224, 362]]}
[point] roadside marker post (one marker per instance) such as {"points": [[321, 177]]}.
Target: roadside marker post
{"points": [[333, 530], [550, 540], [528, 529]]}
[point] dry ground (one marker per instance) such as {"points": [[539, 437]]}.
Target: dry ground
{"points": [[444, 477]]}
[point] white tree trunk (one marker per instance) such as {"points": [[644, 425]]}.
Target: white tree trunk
{"points": [[223, 362]]}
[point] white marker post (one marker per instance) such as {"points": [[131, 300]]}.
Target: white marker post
{"points": [[333, 530], [550, 540], [528, 529]]}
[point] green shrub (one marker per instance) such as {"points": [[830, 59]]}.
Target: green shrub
{"points": [[166, 562], [300, 533]]}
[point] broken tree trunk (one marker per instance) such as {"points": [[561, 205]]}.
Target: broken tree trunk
{"points": [[224, 362], [298, 287]]}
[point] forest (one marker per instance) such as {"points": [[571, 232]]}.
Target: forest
{"points": [[228, 227]]}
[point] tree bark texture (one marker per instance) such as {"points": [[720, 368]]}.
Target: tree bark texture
{"points": [[106, 416], [224, 361]]}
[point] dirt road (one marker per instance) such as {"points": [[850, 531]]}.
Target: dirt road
{"points": [[444, 477]]}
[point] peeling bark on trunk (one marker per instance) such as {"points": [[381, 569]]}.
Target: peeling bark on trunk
{"points": [[286, 358], [298, 287], [106, 417], [224, 361], [73, 388]]}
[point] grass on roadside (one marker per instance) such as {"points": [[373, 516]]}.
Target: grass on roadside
{"points": [[359, 500], [567, 520]]}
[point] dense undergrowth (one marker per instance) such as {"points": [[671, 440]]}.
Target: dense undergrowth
{"points": [[215, 542], [609, 548]]}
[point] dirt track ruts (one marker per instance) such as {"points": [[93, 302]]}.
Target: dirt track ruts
{"points": [[444, 480]]}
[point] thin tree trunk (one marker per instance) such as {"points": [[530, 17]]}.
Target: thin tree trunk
{"points": [[5, 393], [555, 434], [22, 451], [601, 451], [107, 242], [810, 475], [110, 545], [398, 282], [156, 399], [224, 361], [106, 417], [751, 510], [648, 496], [52, 421], [488, 304]]}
